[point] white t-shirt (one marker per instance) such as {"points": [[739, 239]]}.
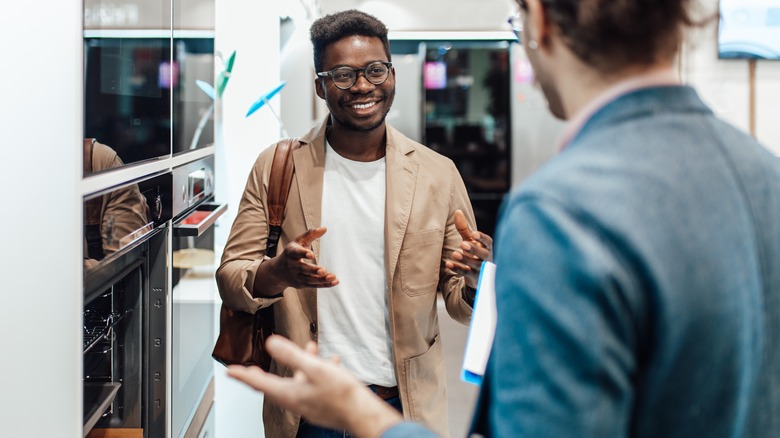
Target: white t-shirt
{"points": [[353, 316]]}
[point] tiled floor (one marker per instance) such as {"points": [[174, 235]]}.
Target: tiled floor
{"points": [[461, 395]]}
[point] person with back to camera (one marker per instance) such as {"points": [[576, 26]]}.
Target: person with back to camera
{"points": [[398, 224], [638, 272]]}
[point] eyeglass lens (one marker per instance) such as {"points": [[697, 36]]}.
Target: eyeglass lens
{"points": [[345, 77]]}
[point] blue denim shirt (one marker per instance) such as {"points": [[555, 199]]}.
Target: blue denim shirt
{"points": [[638, 283]]}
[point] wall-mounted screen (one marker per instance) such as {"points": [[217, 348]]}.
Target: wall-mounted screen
{"points": [[435, 75], [749, 29]]}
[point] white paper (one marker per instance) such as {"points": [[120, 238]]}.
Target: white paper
{"points": [[482, 327]]}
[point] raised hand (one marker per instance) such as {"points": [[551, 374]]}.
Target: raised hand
{"points": [[475, 248], [296, 264], [294, 267], [320, 390]]}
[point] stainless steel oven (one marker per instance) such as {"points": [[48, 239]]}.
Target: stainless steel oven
{"points": [[194, 296], [129, 77], [124, 316]]}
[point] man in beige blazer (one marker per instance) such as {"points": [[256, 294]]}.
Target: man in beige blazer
{"points": [[370, 233]]}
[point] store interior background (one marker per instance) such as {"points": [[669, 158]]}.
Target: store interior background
{"points": [[42, 71]]}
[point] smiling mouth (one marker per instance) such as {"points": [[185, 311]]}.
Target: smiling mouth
{"points": [[362, 106]]}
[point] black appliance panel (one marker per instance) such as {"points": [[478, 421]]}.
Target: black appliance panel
{"points": [[125, 308], [127, 93]]}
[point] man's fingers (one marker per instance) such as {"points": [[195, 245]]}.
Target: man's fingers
{"points": [[288, 353], [308, 268], [476, 251], [485, 240], [252, 376], [462, 225], [278, 389], [311, 348], [296, 251], [310, 236], [455, 266]]}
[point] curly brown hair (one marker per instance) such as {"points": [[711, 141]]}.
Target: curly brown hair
{"points": [[331, 28], [611, 34]]}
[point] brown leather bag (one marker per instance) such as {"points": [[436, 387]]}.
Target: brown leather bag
{"points": [[242, 335]]}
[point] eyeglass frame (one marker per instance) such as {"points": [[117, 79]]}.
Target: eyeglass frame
{"points": [[516, 23], [357, 70]]}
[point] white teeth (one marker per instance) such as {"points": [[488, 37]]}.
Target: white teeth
{"points": [[364, 105]]}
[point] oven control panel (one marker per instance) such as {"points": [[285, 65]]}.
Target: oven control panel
{"points": [[192, 184]]}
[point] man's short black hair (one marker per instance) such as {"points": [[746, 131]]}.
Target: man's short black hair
{"points": [[331, 28]]}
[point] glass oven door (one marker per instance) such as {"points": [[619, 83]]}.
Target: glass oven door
{"points": [[128, 79], [125, 235]]}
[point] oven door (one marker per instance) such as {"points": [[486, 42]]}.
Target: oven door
{"points": [[194, 298], [125, 308]]}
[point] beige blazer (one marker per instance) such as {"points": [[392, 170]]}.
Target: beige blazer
{"points": [[423, 191]]}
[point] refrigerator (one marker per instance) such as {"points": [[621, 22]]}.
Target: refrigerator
{"points": [[472, 98]]}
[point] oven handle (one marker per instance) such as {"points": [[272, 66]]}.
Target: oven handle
{"points": [[183, 229]]}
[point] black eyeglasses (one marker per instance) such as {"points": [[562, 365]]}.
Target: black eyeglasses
{"points": [[516, 22], [345, 77]]}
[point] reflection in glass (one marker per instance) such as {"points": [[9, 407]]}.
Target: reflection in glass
{"points": [[115, 219], [127, 91], [193, 123]]}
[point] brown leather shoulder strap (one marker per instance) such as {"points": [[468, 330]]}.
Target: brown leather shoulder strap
{"points": [[282, 171]]}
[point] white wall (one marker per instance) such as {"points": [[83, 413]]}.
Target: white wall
{"points": [[725, 86], [40, 264], [300, 106], [252, 30], [409, 15], [768, 104]]}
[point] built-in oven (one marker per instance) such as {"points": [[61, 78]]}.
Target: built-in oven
{"points": [[194, 296], [149, 69], [124, 316], [129, 77]]}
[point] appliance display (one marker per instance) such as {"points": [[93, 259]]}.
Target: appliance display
{"points": [[467, 118], [146, 65], [749, 29], [124, 316], [127, 95], [435, 75]]}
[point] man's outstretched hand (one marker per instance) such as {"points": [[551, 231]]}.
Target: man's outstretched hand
{"points": [[294, 267], [319, 390]]}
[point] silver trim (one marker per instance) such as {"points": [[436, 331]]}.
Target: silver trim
{"points": [[183, 230], [102, 181], [148, 33]]}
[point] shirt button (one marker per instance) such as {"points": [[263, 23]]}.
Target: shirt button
{"points": [[313, 327]]}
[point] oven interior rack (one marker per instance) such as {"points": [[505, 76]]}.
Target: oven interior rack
{"points": [[99, 328], [97, 398]]}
